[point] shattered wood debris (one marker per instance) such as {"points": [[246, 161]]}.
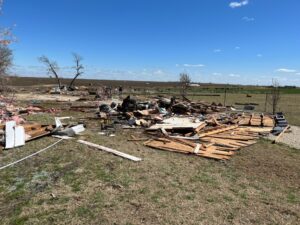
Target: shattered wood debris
{"points": [[188, 147], [217, 143], [206, 130], [171, 124]]}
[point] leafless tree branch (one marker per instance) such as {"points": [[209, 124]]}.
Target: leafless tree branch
{"points": [[185, 81], [52, 68], [78, 68], [274, 96]]}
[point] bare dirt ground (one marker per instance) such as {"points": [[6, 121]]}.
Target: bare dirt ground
{"points": [[74, 184], [291, 138], [45, 97]]}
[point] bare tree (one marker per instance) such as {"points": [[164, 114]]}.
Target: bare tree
{"points": [[5, 52], [5, 59], [274, 96], [78, 68], [6, 55], [185, 81], [6, 35], [52, 68]]}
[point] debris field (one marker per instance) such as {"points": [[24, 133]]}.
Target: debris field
{"points": [[198, 128]]}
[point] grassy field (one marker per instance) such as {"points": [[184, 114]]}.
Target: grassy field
{"points": [[73, 184], [146, 86]]}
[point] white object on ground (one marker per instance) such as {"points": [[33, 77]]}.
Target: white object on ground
{"points": [[58, 123], [78, 128], [14, 135], [10, 134], [19, 136]]}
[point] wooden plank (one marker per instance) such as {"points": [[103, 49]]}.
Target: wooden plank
{"points": [[110, 150], [197, 130], [221, 142], [218, 131], [164, 132], [29, 127], [37, 132], [280, 135], [215, 121], [232, 137], [138, 139]]}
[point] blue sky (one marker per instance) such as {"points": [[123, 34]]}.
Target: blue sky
{"points": [[222, 41]]}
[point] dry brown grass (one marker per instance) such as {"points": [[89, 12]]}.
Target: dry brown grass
{"points": [[73, 184]]}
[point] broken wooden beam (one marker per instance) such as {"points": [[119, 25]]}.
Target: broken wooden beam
{"points": [[110, 150], [218, 130], [280, 135]]}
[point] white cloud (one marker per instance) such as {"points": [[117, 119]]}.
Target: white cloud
{"points": [[285, 70], [193, 65], [158, 72], [259, 55], [237, 48], [297, 73], [217, 50], [248, 19], [217, 74], [238, 4], [234, 75]]}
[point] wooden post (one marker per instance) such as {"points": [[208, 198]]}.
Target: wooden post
{"points": [[225, 95], [266, 102]]}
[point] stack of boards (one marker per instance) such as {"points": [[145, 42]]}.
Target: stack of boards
{"points": [[256, 120]]}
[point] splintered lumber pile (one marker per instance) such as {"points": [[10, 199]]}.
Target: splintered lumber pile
{"points": [[231, 140], [236, 138], [34, 131], [217, 143], [188, 147]]}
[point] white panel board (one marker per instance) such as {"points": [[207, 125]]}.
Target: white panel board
{"points": [[10, 134]]}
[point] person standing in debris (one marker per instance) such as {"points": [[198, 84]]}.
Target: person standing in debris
{"points": [[109, 92], [120, 91]]}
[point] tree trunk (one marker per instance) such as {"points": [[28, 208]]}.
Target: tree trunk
{"points": [[59, 82], [72, 82]]}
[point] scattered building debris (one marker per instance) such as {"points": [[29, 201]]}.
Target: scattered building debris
{"points": [[185, 126]]}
